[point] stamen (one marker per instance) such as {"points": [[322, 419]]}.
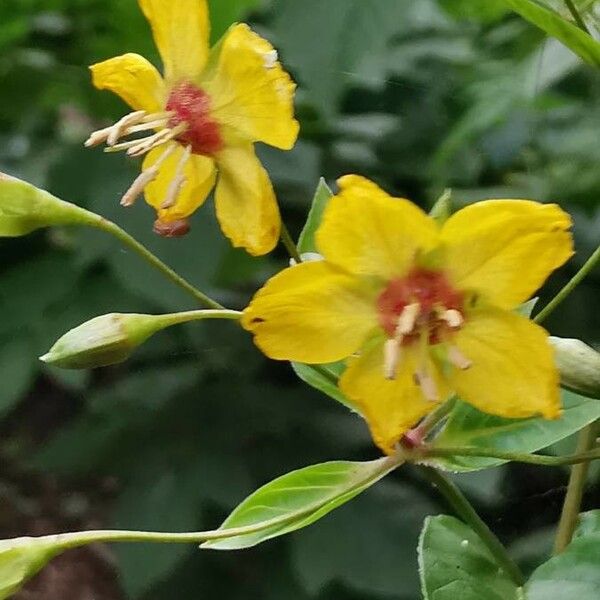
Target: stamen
{"points": [[391, 358], [97, 137], [458, 359], [144, 178], [453, 317], [146, 126], [408, 319], [120, 126], [427, 384], [178, 181], [158, 139]]}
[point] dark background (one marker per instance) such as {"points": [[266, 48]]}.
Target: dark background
{"points": [[417, 94]]}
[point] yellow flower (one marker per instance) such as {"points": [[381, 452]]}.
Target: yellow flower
{"points": [[422, 310], [202, 120]]}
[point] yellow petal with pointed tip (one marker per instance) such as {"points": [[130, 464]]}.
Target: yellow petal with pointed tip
{"points": [[513, 373], [311, 313], [505, 249], [252, 96], [245, 201], [181, 30], [134, 79], [391, 407], [200, 179], [367, 232]]}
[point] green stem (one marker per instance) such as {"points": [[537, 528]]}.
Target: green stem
{"points": [[64, 541], [532, 459], [577, 15], [572, 504], [465, 511], [289, 244], [199, 315], [585, 270], [150, 258]]}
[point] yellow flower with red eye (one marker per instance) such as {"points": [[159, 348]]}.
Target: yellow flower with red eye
{"points": [[423, 311], [201, 122]]}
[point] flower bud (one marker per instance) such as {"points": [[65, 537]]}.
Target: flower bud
{"points": [[25, 208], [111, 339], [579, 366], [21, 559], [103, 341]]}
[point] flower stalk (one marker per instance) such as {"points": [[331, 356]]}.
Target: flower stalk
{"points": [[572, 504]]}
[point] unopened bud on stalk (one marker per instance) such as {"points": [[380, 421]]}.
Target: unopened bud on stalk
{"points": [[111, 339], [579, 366], [21, 559], [25, 208]]}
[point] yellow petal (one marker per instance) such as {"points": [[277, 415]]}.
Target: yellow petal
{"points": [[245, 201], [181, 30], [391, 407], [311, 313], [513, 373], [505, 249], [252, 96], [367, 232], [200, 177], [134, 79]]}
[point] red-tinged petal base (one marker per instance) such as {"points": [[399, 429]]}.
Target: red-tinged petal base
{"points": [[191, 106], [431, 291]]}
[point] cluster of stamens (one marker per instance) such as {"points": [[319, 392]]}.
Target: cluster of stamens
{"points": [[421, 309], [187, 120], [138, 122]]}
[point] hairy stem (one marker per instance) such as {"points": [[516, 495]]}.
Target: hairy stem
{"points": [[153, 260], [585, 270], [465, 511], [583, 456], [572, 504], [577, 15]]}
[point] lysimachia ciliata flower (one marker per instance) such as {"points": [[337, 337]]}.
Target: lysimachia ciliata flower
{"points": [[422, 311], [201, 120]]}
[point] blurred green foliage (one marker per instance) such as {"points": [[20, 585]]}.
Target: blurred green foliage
{"points": [[419, 95]]}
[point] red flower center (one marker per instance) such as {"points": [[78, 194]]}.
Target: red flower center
{"points": [[191, 106], [437, 300]]}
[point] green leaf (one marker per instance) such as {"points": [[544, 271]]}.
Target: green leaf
{"points": [[553, 24], [574, 574], [589, 524], [21, 559], [306, 241], [454, 563], [304, 496], [467, 426], [324, 378], [25, 208]]}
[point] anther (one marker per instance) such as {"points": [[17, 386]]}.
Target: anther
{"points": [[453, 317], [407, 319], [178, 180], [458, 359], [97, 137], [120, 126], [391, 358]]}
